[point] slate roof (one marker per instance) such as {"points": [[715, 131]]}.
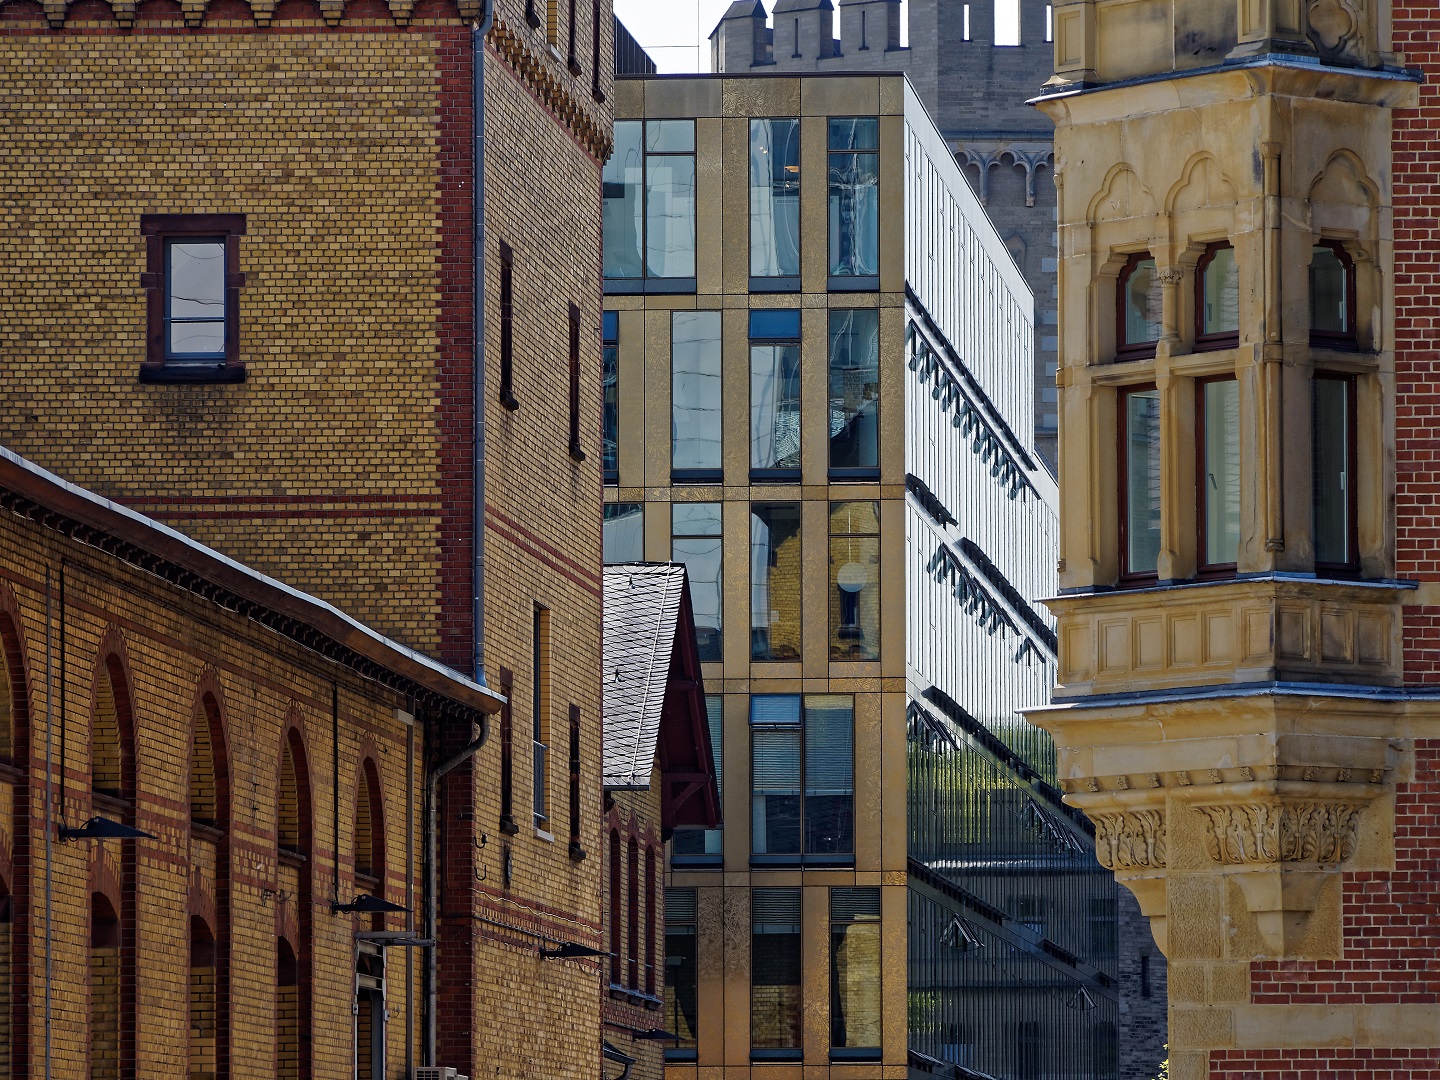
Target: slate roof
{"points": [[642, 603]]}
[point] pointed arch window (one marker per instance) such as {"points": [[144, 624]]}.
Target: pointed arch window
{"points": [[204, 1002], [288, 1054], [14, 904], [210, 884], [105, 990], [1217, 299], [1137, 308], [1332, 297], [294, 822]]}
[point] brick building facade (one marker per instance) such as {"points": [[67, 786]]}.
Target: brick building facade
{"points": [[306, 401]]}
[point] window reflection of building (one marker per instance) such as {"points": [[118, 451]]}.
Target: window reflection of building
{"points": [[696, 426], [696, 542], [775, 581], [774, 396], [610, 382], [855, 580], [854, 393], [775, 1003], [854, 197], [648, 187], [803, 779], [681, 976], [774, 198], [703, 847], [623, 533], [855, 973]]}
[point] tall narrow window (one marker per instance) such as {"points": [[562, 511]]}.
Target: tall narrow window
{"points": [[803, 778], [855, 973], [15, 903], [854, 580], [965, 22], [1332, 481], [507, 754], [704, 847], [650, 921], [575, 450], [670, 199], [682, 1006], [855, 394], [695, 418], [288, 1053], [1217, 299], [1049, 23], [1332, 296], [622, 536], [532, 13], [775, 581], [775, 1002], [105, 991], [623, 187], [610, 380], [204, 1014], [507, 328], [774, 396], [540, 703], [775, 201], [572, 61], [577, 851], [210, 878], [293, 878], [632, 916], [192, 290], [854, 162], [616, 920], [696, 541], [113, 787], [1007, 22], [595, 89], [1218, 401], [370, 830], [369, 1011], [1139, 483], [1138, 309]]}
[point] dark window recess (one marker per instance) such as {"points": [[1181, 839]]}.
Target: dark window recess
{"points": [[531, 15], [507, 756], [575, 451], [507, 327], [614, 908], [595, 91], [572, 61], [577, 852], [192, 284]]}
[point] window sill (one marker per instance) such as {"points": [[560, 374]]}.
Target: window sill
{"points": [[635, 997], [775, 284], [541, 834], [867, 283], [192, 373]]}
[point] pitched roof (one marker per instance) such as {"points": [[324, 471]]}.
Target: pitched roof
{"points": [[642, 606]]}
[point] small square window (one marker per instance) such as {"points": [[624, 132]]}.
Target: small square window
{"points": [[192, 283]]}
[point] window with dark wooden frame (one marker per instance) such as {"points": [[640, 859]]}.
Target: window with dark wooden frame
{"points": [[577, 851], [1137, 308], [507, 328], [614, 908], [1217, 475], [1217, 299], [1333, 471], [1138, 460], [507, 755], [595, 91], [572, 61], [192, 284], [632, 936], [1332, 297], [650, 920], [575, 451]]}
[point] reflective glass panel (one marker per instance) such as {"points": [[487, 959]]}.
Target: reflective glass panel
{"points": [[774, 406], [670, 136], [854, 581], [695, 390], [1220, 473], [774, 198], [854, 388], [1142, 304], [623, 204], [775, 1004], [1329, 292], [775, 581], [622, 536], [1330, 464], [689, 840], [610, 380], [855, 968], [681, 958], [775, 788], [1221, 291], [854, 213], [696, 542], [195, 294], [829, 774], [670, 216], [1142, 481]]}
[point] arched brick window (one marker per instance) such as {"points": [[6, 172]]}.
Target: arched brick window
{"points": [[210, 885], [105, 989], [370, 827], [293, 838], [15, 908], [615, 915], [632, 937], [204, 1002], [650, 920]]}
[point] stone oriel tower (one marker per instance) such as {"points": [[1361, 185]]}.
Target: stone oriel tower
{"points": [[1233, 710]]}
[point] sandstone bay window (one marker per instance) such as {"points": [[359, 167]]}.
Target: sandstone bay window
{"points": [[610, 382], [695, 419], [693, 846], [695, 541], [775, 203], [855, 394], [1217, 299], [1138, 323], [855, 974], [1332, 297], [649, 207], [192, 283], [1139, 474], [1333, 470], [854, 594], [682, 1013], [854, 174], [540, 704], [775, 1003], [1217, 403], [802, 752], [774, 396], [775, 581], [622, 535]]}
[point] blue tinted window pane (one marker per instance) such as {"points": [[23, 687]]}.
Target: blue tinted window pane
{"points": [[775, 709], [774, 198], [621, 184], [854, 133], [775, 325], [610, 326]]}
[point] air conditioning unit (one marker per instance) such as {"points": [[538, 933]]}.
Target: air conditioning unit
{"points": [[434, 1072]]}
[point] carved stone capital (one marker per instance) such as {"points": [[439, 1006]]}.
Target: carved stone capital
{"points": [[1130, 839], [1288, 832]]}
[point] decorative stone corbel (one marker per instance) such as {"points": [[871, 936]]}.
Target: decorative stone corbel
{"points": [[332, 11], [1130, 841], [262, 10], [55, 13], [194, 12], [124, 11]]}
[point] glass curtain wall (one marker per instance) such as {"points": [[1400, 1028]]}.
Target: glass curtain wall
{"points": [[855, 393], [854, 169], [696, 542], [696, 425], [775, 198], [855, 580], [855, 973], [775, 1002], [623, 214], [774, 396], [610, 382], [648, 188], [775, 581], [622, 535], [803, 779], [682, 1014]]}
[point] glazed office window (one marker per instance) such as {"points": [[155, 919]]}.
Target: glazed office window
{"points": [[1218, 424], [1137, 309], [1332, 478], [695, 540], [803, 779], [1332, 296], [704, 847], [622, 535], [682, 983], [775, 581], [775, 200], [192, 283], [649, 205], [1139, 468], [855, 394], [854, 171], [1217, 299], [775, 1003], [610, 385], [775, 396], [696, 424], [855, 974], [854, 598]]}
